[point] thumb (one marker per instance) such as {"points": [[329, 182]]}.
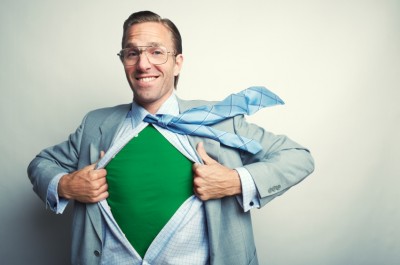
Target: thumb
{"points": [[102, 153], [203, 154]]}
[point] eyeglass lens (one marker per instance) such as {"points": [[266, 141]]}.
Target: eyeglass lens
{"points": [[155, 55]]}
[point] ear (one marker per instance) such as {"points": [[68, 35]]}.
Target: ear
{"points": [[178, 64]]}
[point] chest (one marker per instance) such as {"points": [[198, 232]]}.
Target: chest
{"points": [[148, 180]]}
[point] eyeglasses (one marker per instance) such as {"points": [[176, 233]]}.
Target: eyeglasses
{"points": [[155, 54]]}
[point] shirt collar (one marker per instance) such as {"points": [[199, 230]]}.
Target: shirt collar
{"points": [[137, 112]]}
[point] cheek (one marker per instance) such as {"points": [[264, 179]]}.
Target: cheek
{"points": [[169, 70], [129, 72]]}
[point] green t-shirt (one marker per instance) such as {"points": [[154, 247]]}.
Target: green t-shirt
{"points": [[148, 180]]}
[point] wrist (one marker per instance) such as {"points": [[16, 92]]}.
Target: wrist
{"points": [[62, 185], [236, 183]]}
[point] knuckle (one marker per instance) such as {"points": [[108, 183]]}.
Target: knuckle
{"points": [[198, 168], [91, 175], [90, 200], [91, 194], [203, 197], [93, 186], [197, 182]]}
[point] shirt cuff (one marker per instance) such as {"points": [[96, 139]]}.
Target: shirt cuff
{"points": [[249, 198], [53, 201]]}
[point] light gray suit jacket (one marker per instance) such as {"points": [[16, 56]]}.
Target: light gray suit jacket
{"points": [[281, 164]]}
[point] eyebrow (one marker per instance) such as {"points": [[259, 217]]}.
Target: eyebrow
{"points": [[153, 44]]}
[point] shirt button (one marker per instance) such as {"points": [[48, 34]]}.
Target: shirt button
{"points": [[251, 203], [96, 253]]}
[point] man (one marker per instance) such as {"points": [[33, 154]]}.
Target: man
{"points": [[157, 196]]}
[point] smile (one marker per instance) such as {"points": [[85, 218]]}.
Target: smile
{"points": [[146, 79]]}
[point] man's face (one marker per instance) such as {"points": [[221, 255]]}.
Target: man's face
{"points": [[151, 84]]}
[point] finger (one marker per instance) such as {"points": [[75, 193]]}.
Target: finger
{"points": [[99, 182], [95, 189], [96, 174], [96, 199], [197, 182], [103, 188], [196, 191], [103, 196], [196, 166], [90, 167], [102, 153], [203, 154]]}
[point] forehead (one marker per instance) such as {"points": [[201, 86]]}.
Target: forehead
{"points": [[148, 33]]}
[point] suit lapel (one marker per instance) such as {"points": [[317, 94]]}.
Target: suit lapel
{"points": [[211, 146], [108, 129], [94, 214], [111, 124], [212, 207]]}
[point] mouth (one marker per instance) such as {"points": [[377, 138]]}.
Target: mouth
{"points": [[146, 79]]}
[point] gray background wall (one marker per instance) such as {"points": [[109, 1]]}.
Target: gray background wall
{"points": [[335, 63]]}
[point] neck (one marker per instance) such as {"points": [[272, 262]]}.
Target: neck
{"points": [[153, 106]]}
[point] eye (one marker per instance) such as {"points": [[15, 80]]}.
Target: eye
{"points": [[157, 51], [131, 53]]}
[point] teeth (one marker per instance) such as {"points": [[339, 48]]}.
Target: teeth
{"points": [[147, 79]]}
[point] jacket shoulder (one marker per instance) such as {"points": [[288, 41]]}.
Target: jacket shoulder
{"points": [[101, 112]]}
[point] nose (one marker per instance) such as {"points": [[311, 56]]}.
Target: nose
{"points": [[143, 63]]}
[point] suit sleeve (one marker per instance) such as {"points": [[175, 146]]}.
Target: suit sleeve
{"points": [[281, 164], [53, 161]]}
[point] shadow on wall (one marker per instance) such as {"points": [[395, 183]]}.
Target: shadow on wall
{"points": [[42, 238]]}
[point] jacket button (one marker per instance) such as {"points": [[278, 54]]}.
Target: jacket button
{"points": [[96, 253]]}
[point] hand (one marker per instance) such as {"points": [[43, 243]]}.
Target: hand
{"points": [[213, 180], [87, 185]]}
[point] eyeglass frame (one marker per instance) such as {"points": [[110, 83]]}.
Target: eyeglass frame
{"points": [[141, 50]]}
